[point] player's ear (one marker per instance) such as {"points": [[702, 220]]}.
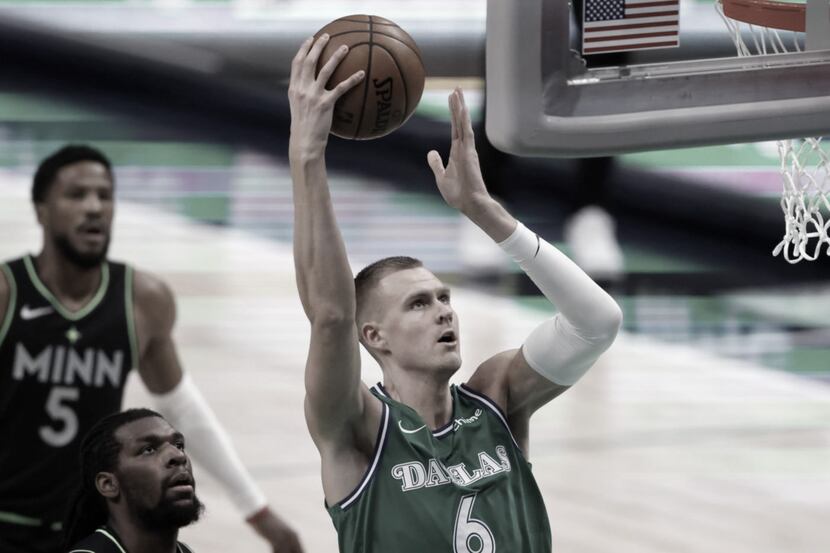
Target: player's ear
{"points": [[372, 336], [107, 484]]}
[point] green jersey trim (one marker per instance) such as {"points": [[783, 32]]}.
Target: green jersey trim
{"points": [[490, 404], [9, 315], [65, 313], [130, 310], [372, 468], [110, 536], [439, 432]]}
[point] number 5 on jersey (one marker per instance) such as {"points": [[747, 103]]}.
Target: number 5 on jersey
{"points": [[471, 535], [57, 409]]}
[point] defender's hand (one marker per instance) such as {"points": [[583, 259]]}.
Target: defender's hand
{"points": [[276, 532], [311, 104], [460, 182]]}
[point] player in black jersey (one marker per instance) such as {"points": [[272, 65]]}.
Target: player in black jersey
{"points": [[136, 487], [72, 325]]}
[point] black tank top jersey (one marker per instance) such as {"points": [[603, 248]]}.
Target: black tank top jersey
{"points": [[105, 540], [60, 372]]}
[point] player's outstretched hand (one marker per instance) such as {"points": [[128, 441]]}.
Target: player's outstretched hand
{"points": [[276, 532], [311, 104], [460, 182]]}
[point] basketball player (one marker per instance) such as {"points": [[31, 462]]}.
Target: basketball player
{"points": [[136, 487], [72, 325], [415, 464]]}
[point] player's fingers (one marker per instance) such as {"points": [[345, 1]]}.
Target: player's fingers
{"points": [[302, 53], [331, 65], [310, 61], [453, 102], [466, 122], [347, 84], [435, 163]]}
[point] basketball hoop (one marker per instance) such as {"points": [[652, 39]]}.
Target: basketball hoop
{"points": [[762, 27]]}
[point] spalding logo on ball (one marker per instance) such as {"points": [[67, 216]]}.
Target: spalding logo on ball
{"points": [[394, 81]]}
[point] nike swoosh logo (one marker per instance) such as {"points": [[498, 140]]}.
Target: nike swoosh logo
{"points": [[28, 314], [405, 431]]}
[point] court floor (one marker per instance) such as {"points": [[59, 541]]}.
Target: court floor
{"points": [[661, 448]]}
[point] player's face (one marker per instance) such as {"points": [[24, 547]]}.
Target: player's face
{"points": [[155, 474], [419, 324], [77, 212]]}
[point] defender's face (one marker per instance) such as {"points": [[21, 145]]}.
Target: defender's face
{"points": [[77, 212], [155, 474], [419, 325]]}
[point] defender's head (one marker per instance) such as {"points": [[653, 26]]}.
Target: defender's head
{"points": [[404, 316], [73, 196], [137, 466]]}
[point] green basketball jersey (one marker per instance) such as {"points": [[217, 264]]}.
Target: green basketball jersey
{"points": [[463, 488]]}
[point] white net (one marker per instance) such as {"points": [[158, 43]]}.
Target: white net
{"points": [[805, 200]]}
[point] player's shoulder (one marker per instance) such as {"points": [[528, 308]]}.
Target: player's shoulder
{"points": [[6, 273], [6, 287], [149, 284], [150, 288]]}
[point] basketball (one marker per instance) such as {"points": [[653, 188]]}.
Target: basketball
{"points": [[394, 80]]}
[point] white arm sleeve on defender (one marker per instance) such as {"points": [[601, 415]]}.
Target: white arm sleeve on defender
{"points": [[563, 348], [208, 443]]}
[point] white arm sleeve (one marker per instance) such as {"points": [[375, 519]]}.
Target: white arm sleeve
{"points": [[563, 348], [186, 409]]}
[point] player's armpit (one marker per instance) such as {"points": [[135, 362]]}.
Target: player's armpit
{"points": [[517, 389], [490, 378], [509, 380], [527, 389]]}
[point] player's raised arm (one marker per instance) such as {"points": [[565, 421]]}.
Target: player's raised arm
{"points": [[560, 350], [324, 277]]}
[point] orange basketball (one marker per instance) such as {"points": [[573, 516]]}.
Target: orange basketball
{"points": [[394, 80]]}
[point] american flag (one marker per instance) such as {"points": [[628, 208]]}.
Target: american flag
{"points": [[623, 25]]}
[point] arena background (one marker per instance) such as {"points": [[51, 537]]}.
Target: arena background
{"points": [[704, 428]]}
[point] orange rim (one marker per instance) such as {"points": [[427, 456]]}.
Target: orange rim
{"points": [[785, 16]]}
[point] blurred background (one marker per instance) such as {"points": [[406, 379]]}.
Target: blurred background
{"points": [[705, 428]]}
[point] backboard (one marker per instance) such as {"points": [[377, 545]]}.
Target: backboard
{"points": [[546, 98]]}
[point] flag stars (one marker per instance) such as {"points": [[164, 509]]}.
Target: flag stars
{"points": [[604, 10]]}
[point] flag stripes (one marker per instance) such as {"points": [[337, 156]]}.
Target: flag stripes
{"points": [[624, 25]]}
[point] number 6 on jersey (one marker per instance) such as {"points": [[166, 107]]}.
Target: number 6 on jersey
{"points": [[470, 532]]}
